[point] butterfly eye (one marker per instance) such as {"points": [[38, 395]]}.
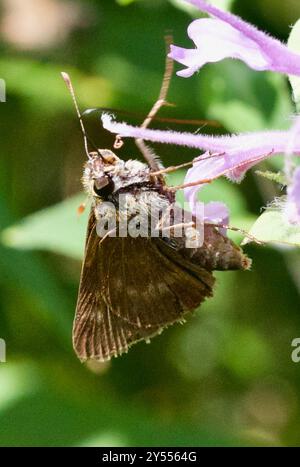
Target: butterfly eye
{"points": [[103, 186]]}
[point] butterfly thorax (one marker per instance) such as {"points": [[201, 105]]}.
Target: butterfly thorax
{"points": [[128, 185], [106, 173]]}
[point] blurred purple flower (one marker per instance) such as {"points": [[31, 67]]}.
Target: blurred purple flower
{"points": [[230, 36]]}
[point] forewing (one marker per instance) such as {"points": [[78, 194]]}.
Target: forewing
{"points": [[97, 332], [130, 290], [145, 287]]}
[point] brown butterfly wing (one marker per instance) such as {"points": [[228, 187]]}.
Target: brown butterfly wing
{"points": [[130, 290], [218, 253]]}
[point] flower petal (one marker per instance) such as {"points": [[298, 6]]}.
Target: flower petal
{"points": [[234, 154], [214, 212], [216, 40], [207, 170], [239, 171], [230, 36], [188, 57]]}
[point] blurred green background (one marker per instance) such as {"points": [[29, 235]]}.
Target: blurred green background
{"points": [[224, 378]]}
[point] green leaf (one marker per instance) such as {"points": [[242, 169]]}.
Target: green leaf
{"points": [[237, 116], [277, 177], [37, 285], [294, 45], [222, 4], [247, 354], [125, 2], [195, 12], [30, 274], [58, 229], [272, 227], [243, 100], [38, 77]]}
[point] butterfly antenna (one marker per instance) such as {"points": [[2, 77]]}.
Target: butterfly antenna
{"points": [[69, 85], [148, 154]]}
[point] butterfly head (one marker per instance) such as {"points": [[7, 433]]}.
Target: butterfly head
{"points": [[99, 170], [105, 173]]}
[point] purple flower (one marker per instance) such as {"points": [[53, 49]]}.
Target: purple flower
{"points": [[231, 156], [209, 168], [214, 211], [230, 36], [217, 213], [236, 153]]}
